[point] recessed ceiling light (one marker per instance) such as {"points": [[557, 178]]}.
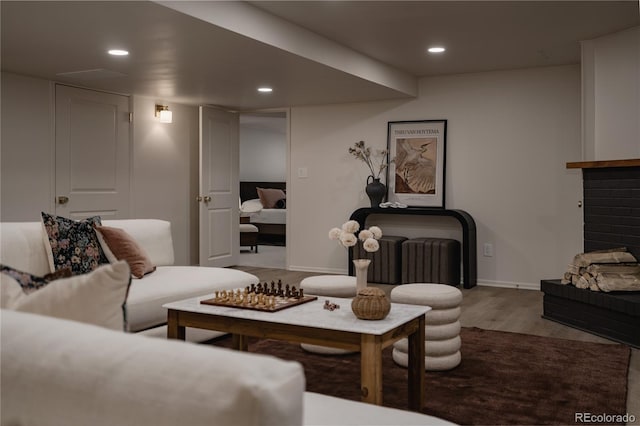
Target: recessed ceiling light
{"points": [[118, 52], [265, 89], [436, 49]]}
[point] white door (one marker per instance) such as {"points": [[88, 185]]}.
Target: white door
{"points": [[219, 187], [92, 153]]}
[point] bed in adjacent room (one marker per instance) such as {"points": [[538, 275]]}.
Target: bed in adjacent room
{"points": [[265, 204]]}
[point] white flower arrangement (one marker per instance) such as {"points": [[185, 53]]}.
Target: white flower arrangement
{"points": [[346, 235]]}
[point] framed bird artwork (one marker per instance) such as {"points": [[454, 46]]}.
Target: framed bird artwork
{"points": [[416, 173]]}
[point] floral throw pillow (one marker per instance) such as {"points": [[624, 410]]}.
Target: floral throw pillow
{"points": [[73, 243], [30, 282]]}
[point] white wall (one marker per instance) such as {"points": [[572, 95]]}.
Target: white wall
{"points": [[165, 172], [510, 134], [611, 96], [263, 150], [27, 143], [164, 166]]}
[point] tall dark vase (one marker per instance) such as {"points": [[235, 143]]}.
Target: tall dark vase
{"points": [[376, 190]]}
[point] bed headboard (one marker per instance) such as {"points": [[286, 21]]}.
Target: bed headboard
{"points": [[248, 189]]}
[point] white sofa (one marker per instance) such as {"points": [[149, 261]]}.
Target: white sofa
{"points": [[23, 248], [61, 372]]}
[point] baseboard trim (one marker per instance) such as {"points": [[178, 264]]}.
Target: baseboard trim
{"points": [[508, 284], [318, 270], [484, 283]]}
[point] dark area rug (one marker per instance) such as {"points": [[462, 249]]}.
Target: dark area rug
{"points": [[504, 378]]}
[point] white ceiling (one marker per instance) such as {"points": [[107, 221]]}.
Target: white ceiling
{"points": [[479, 35], [182, 58]]}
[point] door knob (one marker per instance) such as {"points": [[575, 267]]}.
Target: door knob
{"points": [[198, 198], [63, 200], [207, 199]]}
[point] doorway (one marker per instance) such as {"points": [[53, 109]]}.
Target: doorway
{"points": [[264, 145], [92, 153]]}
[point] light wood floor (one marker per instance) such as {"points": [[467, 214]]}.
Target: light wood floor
{"points": [[503, 309]]}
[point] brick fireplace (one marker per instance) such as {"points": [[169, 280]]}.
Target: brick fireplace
{"points": [[611, 198], [611, 205]]}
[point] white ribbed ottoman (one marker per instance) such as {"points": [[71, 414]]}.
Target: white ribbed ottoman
{"points": [[329, 286], [442, 325]]}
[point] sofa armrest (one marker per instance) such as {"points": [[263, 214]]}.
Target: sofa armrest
{"points": [[59, 372], [22, 247]]}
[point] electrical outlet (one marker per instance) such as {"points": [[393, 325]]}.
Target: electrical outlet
{"points": [[488, 250]]}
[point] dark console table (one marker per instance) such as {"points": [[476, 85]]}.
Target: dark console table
{"points": [[469, 240]]}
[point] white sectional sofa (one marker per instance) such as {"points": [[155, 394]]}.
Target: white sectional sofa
{"points": [[23, 248], [67, 372], [61, 372]]}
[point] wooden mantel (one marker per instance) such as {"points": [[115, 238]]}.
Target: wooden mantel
{"points": [[634, 162]]}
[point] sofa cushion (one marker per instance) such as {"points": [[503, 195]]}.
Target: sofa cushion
{"points": [[153, 235], [58, 372], [72, 243], [196, 335], [94, 298], [22, 247], [30, 282], [172, 283], [328, 411], [119, 245]]}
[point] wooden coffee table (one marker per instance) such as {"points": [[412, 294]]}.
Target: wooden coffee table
{"points": [[310, 323]]}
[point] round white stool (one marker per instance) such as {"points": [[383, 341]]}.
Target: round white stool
{"points": [[438, 296], [442, 326], [329, 286]]}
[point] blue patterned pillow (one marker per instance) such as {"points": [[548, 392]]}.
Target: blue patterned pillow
{"points": [[30, 282], [73, 243]]}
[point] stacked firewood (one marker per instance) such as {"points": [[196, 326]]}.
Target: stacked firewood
{"points": [[604, 270]]}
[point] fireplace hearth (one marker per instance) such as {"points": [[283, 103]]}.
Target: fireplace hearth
{"points": [[615, 316], [611, 200]]}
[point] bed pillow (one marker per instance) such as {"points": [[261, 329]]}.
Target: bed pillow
{"points": [[30, 282], [95, 298], [119, 245], [72, 243], [251, 206], [270, 196], [281, 204]]}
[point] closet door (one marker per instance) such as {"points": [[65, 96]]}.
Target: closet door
{"points": [[92, 152], [219, 188]]}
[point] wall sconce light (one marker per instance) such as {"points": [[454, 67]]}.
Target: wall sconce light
{"points": [[163, 112]]}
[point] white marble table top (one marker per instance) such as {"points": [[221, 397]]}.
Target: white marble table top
{"points": [[311, 314]]}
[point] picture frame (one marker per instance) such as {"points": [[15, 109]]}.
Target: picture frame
{"points": [[417, 154]]}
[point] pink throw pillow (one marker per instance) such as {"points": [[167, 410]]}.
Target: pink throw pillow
{"points": [[124, 247], [270, 196]]}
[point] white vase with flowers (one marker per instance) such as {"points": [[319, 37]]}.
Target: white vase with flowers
{"points": [[349, 235]]}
